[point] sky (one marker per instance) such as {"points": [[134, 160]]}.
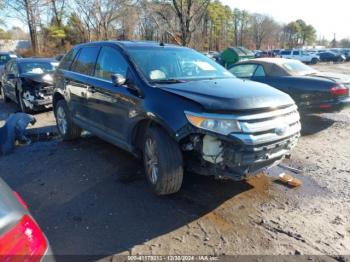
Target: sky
{"points": [[328, 17]]}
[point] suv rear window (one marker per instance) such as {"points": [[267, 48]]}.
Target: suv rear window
{"points": [[68, 59], [85, 62]]}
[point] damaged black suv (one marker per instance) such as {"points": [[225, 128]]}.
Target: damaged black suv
{"points": [[175, 108], [29, 83]]}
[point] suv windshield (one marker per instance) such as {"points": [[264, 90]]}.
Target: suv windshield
{"points": [[37, 67], [176, 64], [297, 68]]}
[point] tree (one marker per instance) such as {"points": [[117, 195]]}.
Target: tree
{"points": [[99, 16], [262, 27], [236, 22], [29, 10], [189, 14], [344, 43], [219, 20]]}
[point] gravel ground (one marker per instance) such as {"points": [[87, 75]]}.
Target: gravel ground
{"points": [[91, 198]]}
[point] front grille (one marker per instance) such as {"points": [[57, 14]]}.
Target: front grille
{"points": [[269, 127]]}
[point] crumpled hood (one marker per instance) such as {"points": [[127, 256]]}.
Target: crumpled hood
{"points": [[339, 78], [231, 94], [40, 78]]}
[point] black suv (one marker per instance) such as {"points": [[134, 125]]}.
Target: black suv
{"points": [[175, 108]]}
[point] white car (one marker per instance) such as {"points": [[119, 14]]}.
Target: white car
{"points": [[300, 55]]}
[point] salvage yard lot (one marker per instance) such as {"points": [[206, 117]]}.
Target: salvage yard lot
{"points": [[91, 198]]}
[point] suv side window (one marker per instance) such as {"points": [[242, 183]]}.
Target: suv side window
{"points": [[110, 62], [260, 71], [285, 52], [85, 62], [245, 71], [296, 52], [14, 69], [68, 59]]}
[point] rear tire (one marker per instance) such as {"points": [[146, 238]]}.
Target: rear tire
{"points": [[65, 126], [162, 162], [314, 61]]}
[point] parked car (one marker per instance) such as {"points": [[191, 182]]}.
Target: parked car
{"points": [[332, 57], [21, 239], [4, 58], [175, 108], [262, 54], [313, 91], [300, 55], [29, 82]]}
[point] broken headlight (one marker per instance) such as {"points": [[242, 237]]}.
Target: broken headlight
{"points": [[216, 123]]}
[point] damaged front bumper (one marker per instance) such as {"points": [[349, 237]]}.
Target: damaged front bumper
{"points": [[38, 98], [265, 140]]}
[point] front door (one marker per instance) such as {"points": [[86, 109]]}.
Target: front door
{"points": [[108, 104]]}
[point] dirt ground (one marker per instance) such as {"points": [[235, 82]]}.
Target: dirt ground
{"points": [[91, 198]]}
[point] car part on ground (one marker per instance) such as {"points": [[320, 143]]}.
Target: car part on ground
{"points": [[21, 239], [196, 116], [29, 83], [313, 91], [14, 130]]}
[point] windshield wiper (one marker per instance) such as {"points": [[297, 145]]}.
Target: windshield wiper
{"points": [[168, 81]]}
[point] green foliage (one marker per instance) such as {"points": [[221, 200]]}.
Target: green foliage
{"points": [[56, 32]]}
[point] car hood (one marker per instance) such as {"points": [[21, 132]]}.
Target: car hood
{"points": [[231, 94], [339, 78], [40, 78]]}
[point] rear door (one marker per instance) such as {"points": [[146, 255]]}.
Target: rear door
{"points": [[78, 80], [297, 55]]}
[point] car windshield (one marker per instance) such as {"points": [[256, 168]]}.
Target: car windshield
{"points": [[37, 67], [295, 67], [175, 65], [4, 59]]}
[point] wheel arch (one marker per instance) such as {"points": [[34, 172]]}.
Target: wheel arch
{"points": [[139, 130], [56, 97]]}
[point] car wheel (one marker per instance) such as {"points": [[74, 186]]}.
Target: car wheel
{"points": [[6, 99], [162, 162], [22, 105], [66, 128], [314, 61]]}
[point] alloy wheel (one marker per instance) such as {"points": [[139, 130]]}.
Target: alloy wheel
{"points": [[61, 120], [151, 160]]}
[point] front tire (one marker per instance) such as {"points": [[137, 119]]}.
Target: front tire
{"points": [[314, 61], [22, 105], [162, 161], [66, 128]]}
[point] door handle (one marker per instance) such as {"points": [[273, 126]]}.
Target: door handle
{"points": [[91, 89]]}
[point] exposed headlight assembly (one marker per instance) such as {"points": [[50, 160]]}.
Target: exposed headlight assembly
{"points": [[216, 123]]}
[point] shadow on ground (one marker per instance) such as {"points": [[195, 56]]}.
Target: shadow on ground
{"points": [[91, 198], [312, 124]]}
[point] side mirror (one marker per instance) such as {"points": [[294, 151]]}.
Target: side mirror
{"points": [[11, 76], [118, 80]]}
